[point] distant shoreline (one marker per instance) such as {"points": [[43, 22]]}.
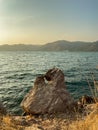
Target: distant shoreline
{"points": [[61, 45]]}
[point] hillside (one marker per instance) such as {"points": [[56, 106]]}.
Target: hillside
{"points": [[60, 45], [19, 47], [70, 46]]}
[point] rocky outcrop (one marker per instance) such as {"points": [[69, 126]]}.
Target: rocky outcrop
{"points": [[85, 99], [2, 109], [48, 95]]}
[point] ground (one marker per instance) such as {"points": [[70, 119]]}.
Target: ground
{"points": [[87, 120]]}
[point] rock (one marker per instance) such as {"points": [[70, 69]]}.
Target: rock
{"points": [[2, 109], [83, 102], [48, 95], [86, 100]]}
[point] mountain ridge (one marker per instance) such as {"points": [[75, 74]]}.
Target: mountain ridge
{"points": [[60, 45]]}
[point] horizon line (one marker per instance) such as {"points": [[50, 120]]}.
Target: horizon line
{"points": [[20, 43]]}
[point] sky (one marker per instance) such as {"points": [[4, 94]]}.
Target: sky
{"points": [[44, 21]]}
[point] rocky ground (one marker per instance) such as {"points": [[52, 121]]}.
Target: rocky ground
{"points": [[61, 121]]}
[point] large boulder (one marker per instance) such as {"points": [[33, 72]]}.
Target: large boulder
{"points": [[48, 95]]}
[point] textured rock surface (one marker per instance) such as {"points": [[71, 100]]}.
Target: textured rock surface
{"points": [[2, 109], [87, 100], [48, 95]]}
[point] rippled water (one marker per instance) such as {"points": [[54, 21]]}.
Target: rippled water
{"points": [[19, 69]]}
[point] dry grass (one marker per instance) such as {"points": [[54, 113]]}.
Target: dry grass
{"points": [[54, 123]]}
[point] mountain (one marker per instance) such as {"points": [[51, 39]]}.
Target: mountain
{"points": [[70, 46], [60, 45], [19, 47]]}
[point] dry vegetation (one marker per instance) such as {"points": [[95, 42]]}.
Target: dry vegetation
{"points": [[54, 122]]}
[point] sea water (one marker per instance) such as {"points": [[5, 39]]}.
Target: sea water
{"points": [[18, 71]]}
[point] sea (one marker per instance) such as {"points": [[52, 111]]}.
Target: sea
{"points": [[19, 69]]}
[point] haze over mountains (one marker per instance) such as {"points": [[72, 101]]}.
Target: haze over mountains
{"points": [[61, 45]]}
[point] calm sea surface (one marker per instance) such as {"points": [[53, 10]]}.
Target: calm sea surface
{"points": [[19, 69]]}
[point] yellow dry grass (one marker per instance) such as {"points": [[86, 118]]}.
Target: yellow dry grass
{"points": [[89, 123]]}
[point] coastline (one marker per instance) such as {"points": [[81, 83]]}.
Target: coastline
{"points": [[52, 122], [48, 106]]}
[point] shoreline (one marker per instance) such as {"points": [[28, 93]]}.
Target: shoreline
{"points": [[60, 121]]}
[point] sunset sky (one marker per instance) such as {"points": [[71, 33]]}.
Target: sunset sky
{"points": [[42, 21]]}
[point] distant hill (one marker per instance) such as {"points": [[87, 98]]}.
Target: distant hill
{"points": [[60, 45], [19, 47]]}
